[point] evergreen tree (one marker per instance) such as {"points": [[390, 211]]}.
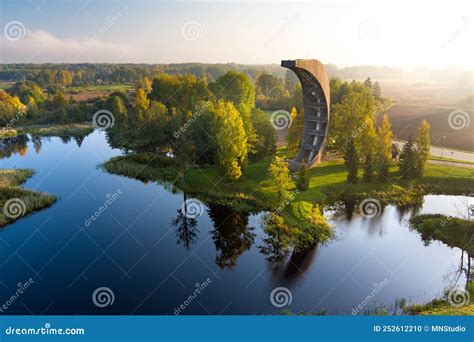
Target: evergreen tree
{"points": [[377, 91], [368, 168], [302, 178], [368, 83], [384, 148], [407, 161], [351, 160], [423, 147]]}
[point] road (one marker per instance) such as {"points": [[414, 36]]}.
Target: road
{"points": [[436, 151]]}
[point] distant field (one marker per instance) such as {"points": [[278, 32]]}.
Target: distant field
{"points": [[94, 91], [406, 119]]}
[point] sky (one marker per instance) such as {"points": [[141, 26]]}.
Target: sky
{"points": [[434, 34]]}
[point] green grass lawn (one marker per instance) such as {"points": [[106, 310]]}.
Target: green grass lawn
{"points": [[328, 183]]}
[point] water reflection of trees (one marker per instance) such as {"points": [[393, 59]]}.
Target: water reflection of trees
{"points": [[19, 144], [15, 145], [231, 234], [186, 227], [295, 267]]}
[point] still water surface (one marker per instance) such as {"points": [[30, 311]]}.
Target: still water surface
{"points": [[138, 249]]}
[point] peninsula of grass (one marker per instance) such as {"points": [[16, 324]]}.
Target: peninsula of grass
{"points": [[327, 184], [17, 202], [59, 130]]}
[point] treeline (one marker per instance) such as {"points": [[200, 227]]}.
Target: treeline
{"points": [[27, 102], [85, 74], [199, 123]]}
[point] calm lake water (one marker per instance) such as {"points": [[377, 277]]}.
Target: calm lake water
{"points": [[152, 265]]}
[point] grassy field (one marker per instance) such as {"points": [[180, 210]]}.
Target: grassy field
{"points": [[94, 91], [17, 202], [328, 184]]}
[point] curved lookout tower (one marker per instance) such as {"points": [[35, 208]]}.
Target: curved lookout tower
{"points": [[316, 100]]}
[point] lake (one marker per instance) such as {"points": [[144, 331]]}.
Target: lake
{"points": [[151, 263]]}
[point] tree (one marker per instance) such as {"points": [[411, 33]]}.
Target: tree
{"points": [[351, 160], [295, 132], [368, 146], [377, 91], [184, 90], [368, 83], [384, 148], [302, 178], [407, 161], [423, 146], [141, 105], [231, 141], [146, 84], [237, 88], [277, 188], [266, 139], [351, 117], [270, 86], [118, 110]]}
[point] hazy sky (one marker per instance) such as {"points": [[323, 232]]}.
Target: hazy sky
{"points": [[399, 33]]}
